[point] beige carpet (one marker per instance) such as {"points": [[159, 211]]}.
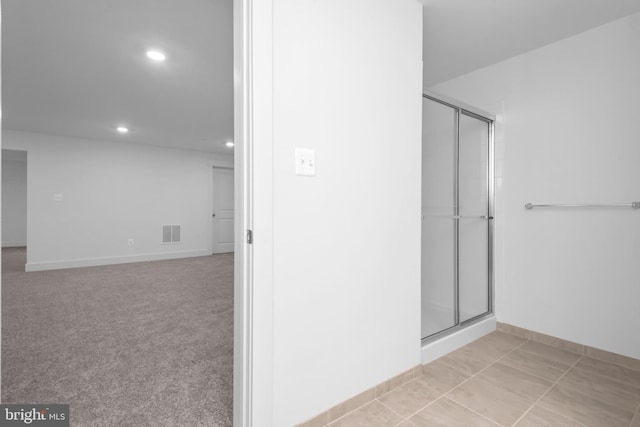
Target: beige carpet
{"points": [[144, 344]]}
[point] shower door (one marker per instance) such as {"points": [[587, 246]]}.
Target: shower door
{"points": [[456, 215]]}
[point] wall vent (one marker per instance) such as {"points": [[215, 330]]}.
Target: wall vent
{"points": [[171, 234]]}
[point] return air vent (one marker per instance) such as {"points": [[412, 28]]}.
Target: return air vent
{"points": [[171, 234]]}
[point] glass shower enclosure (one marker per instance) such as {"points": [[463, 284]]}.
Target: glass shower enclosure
{"points": [[457, 215]]}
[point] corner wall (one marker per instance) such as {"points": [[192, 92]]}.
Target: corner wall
{"points": [[112, 192], [567, 132]]}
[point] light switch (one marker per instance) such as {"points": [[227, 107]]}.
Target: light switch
{"points": [[57, 197], [305, 162]]}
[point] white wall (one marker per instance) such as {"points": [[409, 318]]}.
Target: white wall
{"points": [[14, 198], [567, 132], [346, 243], [112, 192]]}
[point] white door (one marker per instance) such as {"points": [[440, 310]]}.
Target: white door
{"points": [[222, 210]]}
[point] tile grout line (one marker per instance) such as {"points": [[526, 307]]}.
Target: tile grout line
{"points": [[584, 352], [555, 413], [547, 392], [375, 398], [427, 405], [329, 424], [474, 411], [479, 372], [486, 367], [397, 388], [537, 376], [392, 410], [443, 395], [379, 401], [440, 395]]}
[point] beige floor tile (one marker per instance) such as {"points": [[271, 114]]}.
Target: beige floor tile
{"points": [[584, 408], [374, 414], [409, 398], [618, 373], [493, 346], [482, 351], [618, 359], [540, 417], [463, 360], [442, 376], [406, 424], [602, 388], [551, 353], [496, 403], [636, 420], [504, 340], [535, 364], [520, 383], [446, 413]]}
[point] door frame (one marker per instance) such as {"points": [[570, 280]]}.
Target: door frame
{"points": [[253, 180]]}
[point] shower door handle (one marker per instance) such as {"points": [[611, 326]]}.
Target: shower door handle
{"points": [[459, 216]]}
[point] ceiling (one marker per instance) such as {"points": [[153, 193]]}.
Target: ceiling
{"points": [[78, 67], [461, 36]]}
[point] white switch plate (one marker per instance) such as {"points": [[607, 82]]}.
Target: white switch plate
{"points": [[57, 197], [305, 162]]}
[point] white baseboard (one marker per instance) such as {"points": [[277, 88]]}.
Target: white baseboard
{"points": [[14, 244], [449, 343], [93, 262]]}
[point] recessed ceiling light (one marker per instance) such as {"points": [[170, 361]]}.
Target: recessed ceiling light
{"points": [[122, 129], [156, 55], [229, 144]]}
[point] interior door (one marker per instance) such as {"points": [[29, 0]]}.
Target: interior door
{"points": [[222, 210]]}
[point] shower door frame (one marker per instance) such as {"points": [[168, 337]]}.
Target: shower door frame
{"points": [[460, 109]]}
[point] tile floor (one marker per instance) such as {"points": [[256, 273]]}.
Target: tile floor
{"points": [[505, 380]]}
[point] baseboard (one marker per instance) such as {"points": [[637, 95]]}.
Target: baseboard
{"points": [[94, 262], [362, 399], [573, 347], [430, 352], [14, 244], [435, 349]]}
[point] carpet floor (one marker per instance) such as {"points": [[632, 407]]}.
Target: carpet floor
{"points": [[143, 344]]}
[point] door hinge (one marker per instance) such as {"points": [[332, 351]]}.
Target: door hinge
{"points": [[249, 236]]}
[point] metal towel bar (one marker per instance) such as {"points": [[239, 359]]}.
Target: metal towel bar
{"points": [[632, 205]]}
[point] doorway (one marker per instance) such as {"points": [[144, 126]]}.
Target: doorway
{"points": [[457, 216], [146, 122], [14, 199]]}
